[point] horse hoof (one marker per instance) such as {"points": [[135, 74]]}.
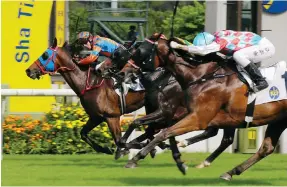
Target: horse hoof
{"points": [[181, 144], [153, 153], [131, 165], [203, 165], [226, 177], [182, 168], [120, 154]]}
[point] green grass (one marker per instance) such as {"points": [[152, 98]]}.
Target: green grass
{"points": [[98, 169]]}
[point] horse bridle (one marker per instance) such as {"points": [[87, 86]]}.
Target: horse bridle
{"points": [[50, 59]]}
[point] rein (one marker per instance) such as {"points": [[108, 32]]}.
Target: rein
{"points": [[89, 87], [210, 76]]}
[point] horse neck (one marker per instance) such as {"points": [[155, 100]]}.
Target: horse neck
{"points": [[75, 78], [186, 73]]}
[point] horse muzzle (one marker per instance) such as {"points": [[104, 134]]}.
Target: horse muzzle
{"points": [[33, 74]]}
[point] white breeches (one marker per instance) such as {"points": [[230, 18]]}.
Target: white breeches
{"points": [[264, 50]]}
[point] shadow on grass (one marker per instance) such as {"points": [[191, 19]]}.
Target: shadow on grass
{"points": [[100, 164], [189, 181]]}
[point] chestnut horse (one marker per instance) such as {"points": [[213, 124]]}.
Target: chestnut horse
{"points": [[96, 94], [215, 98]]}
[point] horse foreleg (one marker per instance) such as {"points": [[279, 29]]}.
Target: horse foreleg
{"points": [[197, 120], [272, 135], [115, 129], [176, 156], [208, 133], [84, 135], [149, 134], [154, 117], [226, 141], [135, 144], [179, 128]]}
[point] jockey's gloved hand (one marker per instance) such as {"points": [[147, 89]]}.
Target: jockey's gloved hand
{"points": [[120, 76], [175, 45], [134, 77], [76, 59]]}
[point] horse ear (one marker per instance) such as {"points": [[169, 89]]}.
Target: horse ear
{"points": [[66, 43], [54, 43]]}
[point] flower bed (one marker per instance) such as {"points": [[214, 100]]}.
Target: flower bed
{"points": [[57, 133]]}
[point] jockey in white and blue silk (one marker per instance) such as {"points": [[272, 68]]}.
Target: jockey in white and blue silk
{"points": [[247, 48]]}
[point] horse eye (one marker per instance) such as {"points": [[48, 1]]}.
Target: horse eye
{"points": [[45, 56]]}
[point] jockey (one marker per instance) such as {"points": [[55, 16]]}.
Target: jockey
{"points": [[246, 48], [101, 46]]}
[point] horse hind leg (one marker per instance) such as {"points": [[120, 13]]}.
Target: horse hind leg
{"points": [[90, 125], [226, 141], [272, 135]]}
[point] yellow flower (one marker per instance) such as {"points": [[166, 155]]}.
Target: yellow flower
{"points": [[105, 128], [58, 127], [55, 116], [68, 122], [97, 128], [106, 135], [59, 122], [74, 123], [74, 104], [82, 123], [62, 113], [69, 109], [70, 126]]}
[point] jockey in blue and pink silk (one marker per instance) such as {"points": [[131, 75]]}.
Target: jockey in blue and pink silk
{"points": [[100, 46], [246, 48]]}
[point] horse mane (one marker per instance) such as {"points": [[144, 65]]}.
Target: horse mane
{"points": [[70, 50]]}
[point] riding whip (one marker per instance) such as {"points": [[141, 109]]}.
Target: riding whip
{"points": [[172, 21]]}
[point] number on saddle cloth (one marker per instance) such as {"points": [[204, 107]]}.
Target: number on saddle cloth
{"points": [[285, 77]]}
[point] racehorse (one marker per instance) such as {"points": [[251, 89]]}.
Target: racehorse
{"points": [[216, 98], [96, 94], [169, 103]]}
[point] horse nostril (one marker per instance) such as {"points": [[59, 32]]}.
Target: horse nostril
{"points": [[99, 71], [28, 71]]}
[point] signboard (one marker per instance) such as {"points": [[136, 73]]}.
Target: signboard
{"points": [[60, 22], [274, 6], [25, 31]]}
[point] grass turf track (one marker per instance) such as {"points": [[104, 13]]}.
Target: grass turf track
{"points": [[99, 169]]}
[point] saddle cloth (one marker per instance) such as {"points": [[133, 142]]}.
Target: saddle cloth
{"points": [[137, 86], [276, 76]]}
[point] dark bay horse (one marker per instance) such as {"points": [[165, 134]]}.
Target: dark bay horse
{"points": [[96, 94], [213, 101]]}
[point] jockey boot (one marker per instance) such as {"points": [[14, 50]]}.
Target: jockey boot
{"points": [[256, 77]]}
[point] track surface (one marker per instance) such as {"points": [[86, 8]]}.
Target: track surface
{"points": [[98, 169]]}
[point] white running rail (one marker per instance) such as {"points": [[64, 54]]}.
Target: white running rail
{"points": [[37, 92]]}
